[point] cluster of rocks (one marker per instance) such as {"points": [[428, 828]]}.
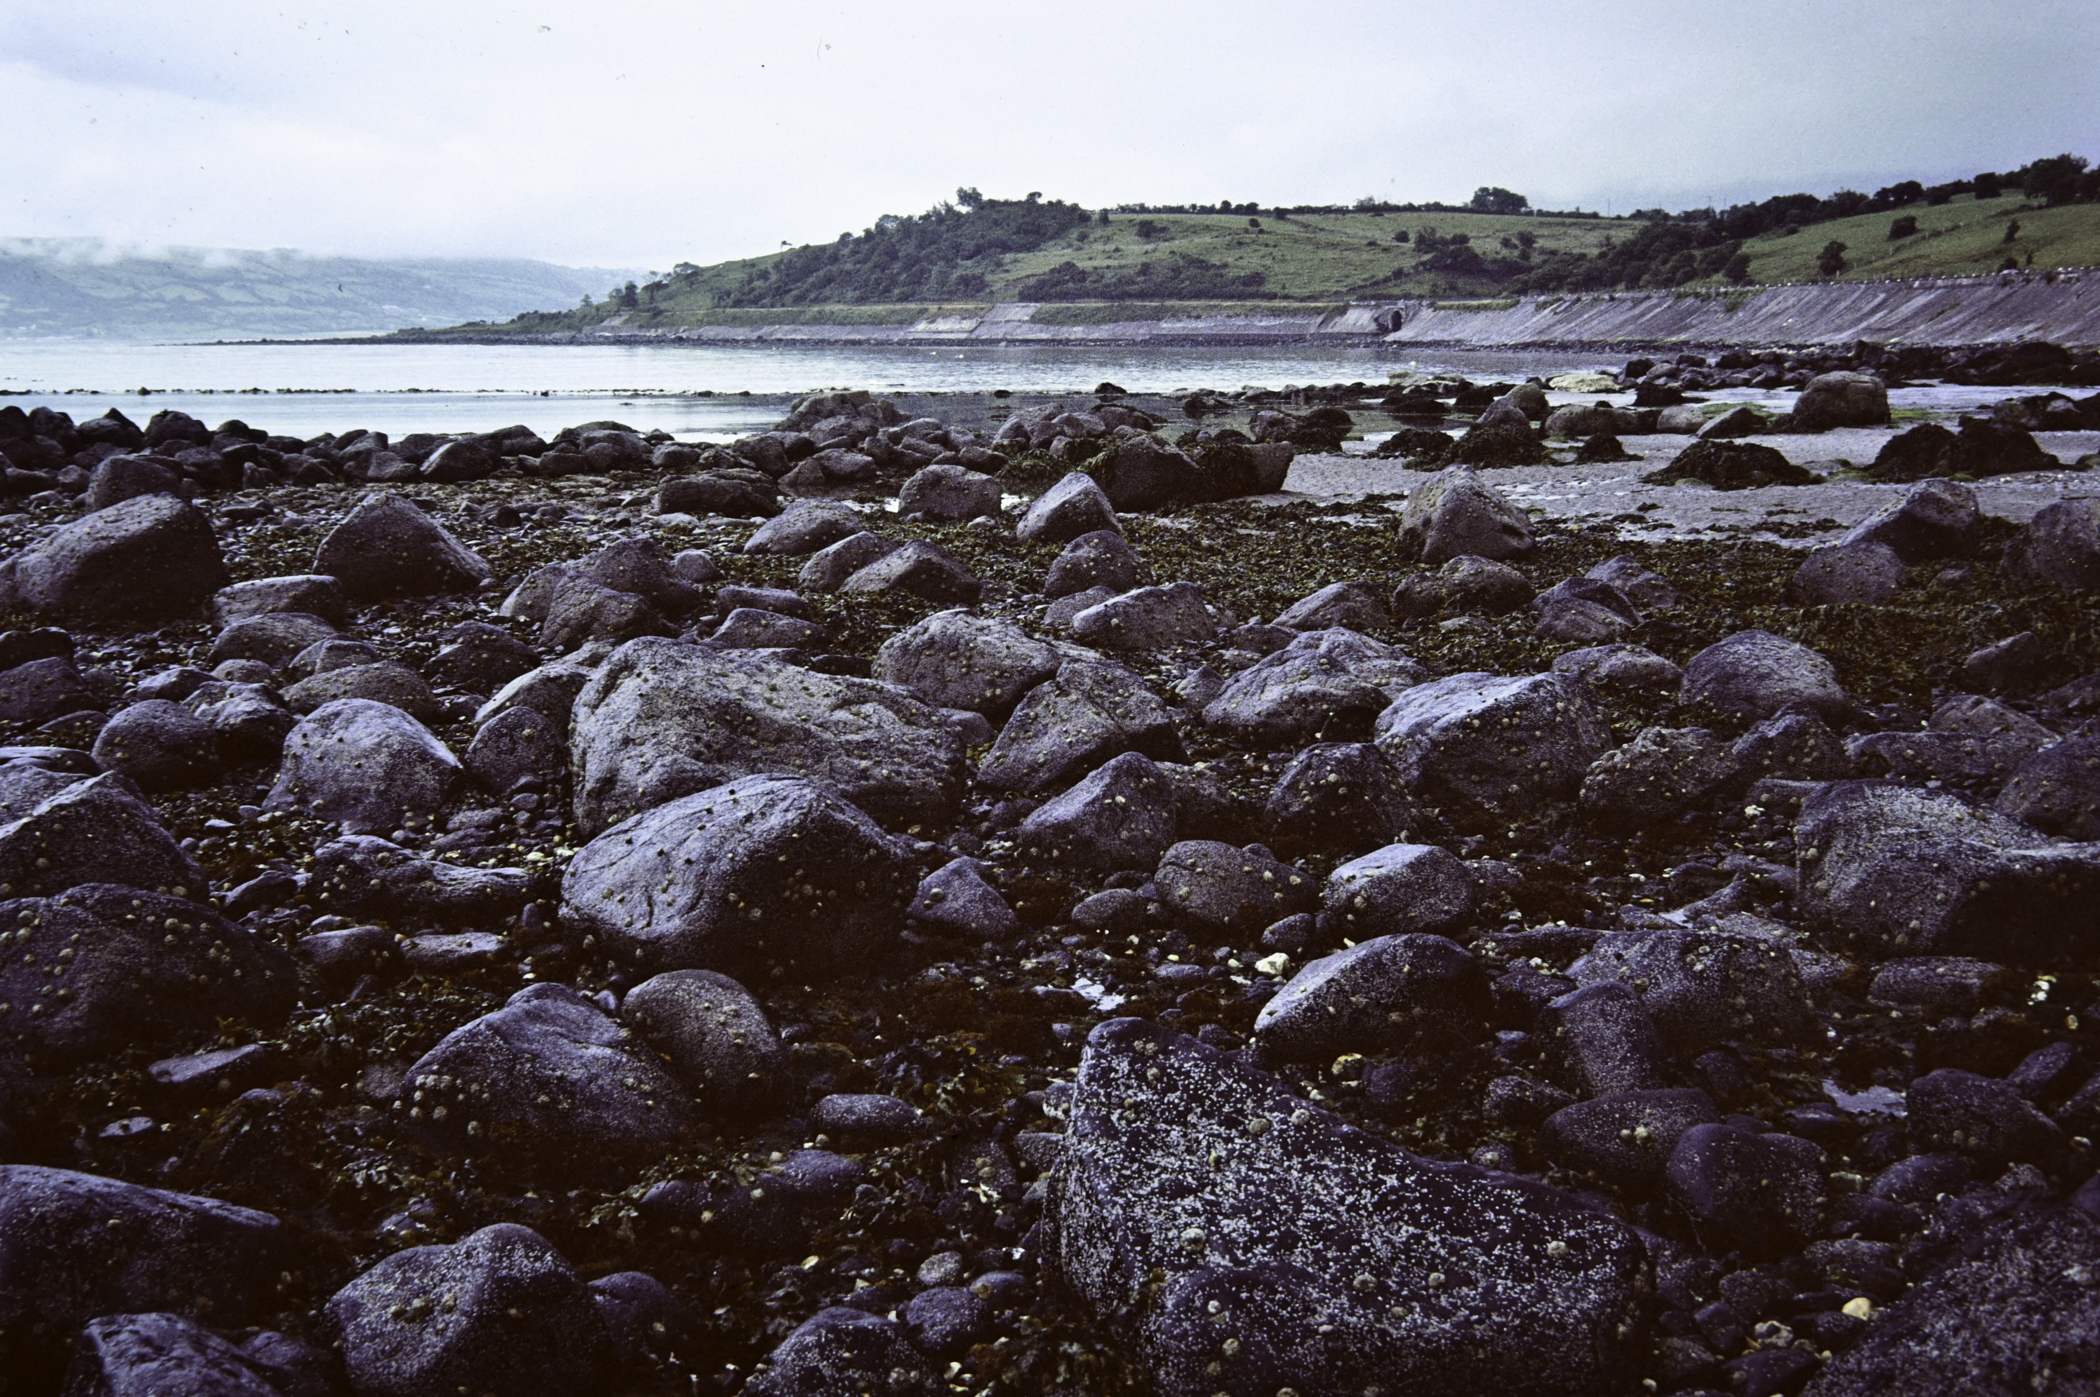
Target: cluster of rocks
{"points": [[1801, 1094]]}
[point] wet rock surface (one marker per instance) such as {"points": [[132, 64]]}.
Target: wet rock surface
{"points": [[1718, 1006]]}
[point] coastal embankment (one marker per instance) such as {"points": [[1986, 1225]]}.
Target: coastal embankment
{"points": [[2062, 307]]}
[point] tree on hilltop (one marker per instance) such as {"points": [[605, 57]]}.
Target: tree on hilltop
{"points": [[1495, 199]]}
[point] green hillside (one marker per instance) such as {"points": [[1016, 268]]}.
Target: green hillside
{"points": [[1092, 267]]}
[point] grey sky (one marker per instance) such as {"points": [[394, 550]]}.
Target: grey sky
{"points": [[628, 133]]}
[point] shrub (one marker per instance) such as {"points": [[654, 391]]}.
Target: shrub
{"points": [[1904, 227], [1831, 260]]}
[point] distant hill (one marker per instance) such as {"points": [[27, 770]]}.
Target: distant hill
{"points": [[81, 287], [980, 251]]}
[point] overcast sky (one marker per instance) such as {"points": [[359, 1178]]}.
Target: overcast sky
{"points": [[620, 133]]}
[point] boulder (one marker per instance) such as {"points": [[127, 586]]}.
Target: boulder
{"points": [[748, 628], [499, 1311], [1073, 507], [1464, 584], [386, 546], [1655, 778], [1622, 672], [158, 1355], [1242, 1239], [43, 689], [364, 765], [1389, 994], [386, 682], [1098, 559], [737, 494], [116, 479], [660, 720], [1601, 1039], [804, 528], [1625, 1138], [372, 877], [957, 659], [1864, 574], [1454, 512], [77, 1246], [518, 745], [1143, 472], [639, 565], [546, 1086], [1124, 814], [957, 898], [1986, 1118], [716, 1036], [1220, 888], [1738, 422], [1636, 583], [758, 876], [2057, 790], [1841, 400], [309, 593], [842, 1350], [1326, 685], [1340, 798], [1578, 609], [1089, 711], [1502, 743], [1353, 605], [480, 659], [109, 967], [550, 689], [1934, 519], [271, 638], [949, 495], [583, 610], [917, 569], [149, 557], [1753, 674], [1705, 988], [94, 831], [1731, 465], [1888, 870], [1150, 618], [160, 745], [2059, 548], [1763, 1193], [829, 567], [1399, 888]]}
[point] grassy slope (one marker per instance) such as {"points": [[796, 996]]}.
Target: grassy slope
{"points": [[1960, 238]]}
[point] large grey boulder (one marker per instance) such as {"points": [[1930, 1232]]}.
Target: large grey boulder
{"points": [[1211, 884], [917, 569], [160, 1355], [498, 1311], [137, 969], [364, 874], [949, 495], [550, 689], [387, 682], [1655, 778], [1888, 870], [582, 610], [662, 720], [802, 529], [1244, 1240], [844, 1350], [310, 593], [1841, 400], [1399, 888], [2058, 547], [547, 1085], [762, 874], [1351, 604], [74, 1246], [640, 565], [1705, 988], [518, 745], [116, 479], [1863, 573], [716, 1036], [162, 746], [94, 831], [1098, 559], [387, 546], [1143, 472], [1503, 743], [830, 566], [271, 638], [1388, 994], [1089, 711], [958, 898], [2057, 790], [1584, 609], [149, 557], [1934, 519], [1464, 584], [1339, 798], [42, 689], [1150, 618], [958, 659], [1620, 671], [1325, 686], [1123, 815], [1455, 512], [366, 766], [1072, 507], [1753, 674]]}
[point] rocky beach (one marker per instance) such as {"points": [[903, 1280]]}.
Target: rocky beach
{"points": [[1586, 885]]}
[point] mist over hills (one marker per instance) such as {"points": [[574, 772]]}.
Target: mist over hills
{"points": [[85, 288]]}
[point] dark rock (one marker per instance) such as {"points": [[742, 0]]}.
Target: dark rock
{"points": [[1150, 618], [365, 765], [386, 546], [1705, 988], [946, 1320], [1123, 815], [646, 1321], [829, 567], [1861, 573], [956, 898], [1763, 1193], [2059, 548], [499, 1311], [1934, 519], [1098, 559], [515, 746], [1399, 888], [957, 659], [1499, 743], [329, 655], [77, 1246], [546, 1085], [1342, 798], [271, 638], [2011, 665], [738, 494], [1620, 672], [1088, 712], [840, 1350], [1198, 1203], [159, 1355], [371, 876], [662, 720], [1789, 747], [1625, 1138], [1353, 605], [917, 569], [1753, 674], [1389, 994], [480, 658], [1222, 888], [640, 566], [308, 593], [1584, 609], [1982, 1117], [1841, 400], [1654, 778], [949, 494], [1455, 513], [146, 558], [1326, 685], [1465, 584], [763, 873], [385, 682], [1602, 1040], [94, 831], [804, 528], [1731, 465], [749, 629], [715, 1034], [1888, 870], [868, 1117], [115, 479], [551, 689], [1067, 510], [1734, 424], [39, 690], [1143, 472], [2057, 790], [161, 746], [583, 610]]}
